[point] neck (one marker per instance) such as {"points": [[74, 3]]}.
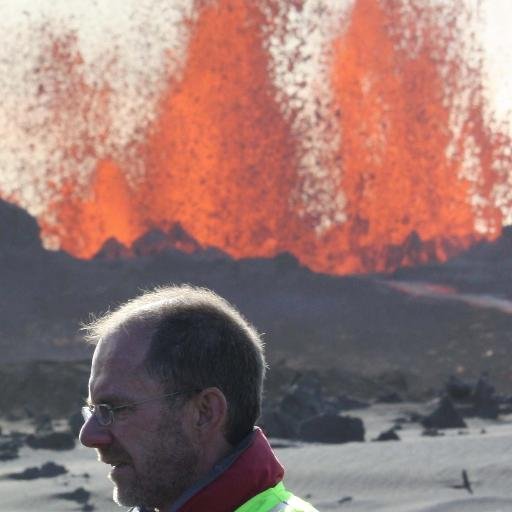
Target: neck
{"points": [[209, 456]]}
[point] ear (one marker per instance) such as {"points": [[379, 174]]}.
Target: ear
{"points": [[210, 411]]}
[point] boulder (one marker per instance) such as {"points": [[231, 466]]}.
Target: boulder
{"points": [[332, 428], [51, 441], [458, 390], [485, 402], [347, 403], [80, 495], [388, 435], [47, 470], [444, 416], [304, 399], [113, 250], [276, 423], [432, 432], [9, 447]]}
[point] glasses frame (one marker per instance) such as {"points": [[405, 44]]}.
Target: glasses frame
{"points": [[89, 410]]}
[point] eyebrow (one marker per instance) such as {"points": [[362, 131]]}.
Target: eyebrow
{"points": [[109, 399]]}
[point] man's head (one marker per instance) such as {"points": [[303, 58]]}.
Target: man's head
{"points": [[184, 341]]}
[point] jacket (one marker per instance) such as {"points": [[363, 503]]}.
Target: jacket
{"points": [[247, 480]]}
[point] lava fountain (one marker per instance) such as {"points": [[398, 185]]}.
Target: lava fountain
{"points": [[389, 158]]}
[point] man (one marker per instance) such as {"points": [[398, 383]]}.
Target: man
{"points": [[174, 392]]}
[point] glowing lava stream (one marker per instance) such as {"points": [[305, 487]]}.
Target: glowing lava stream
{"points": [[441, 292], [394, 163]]}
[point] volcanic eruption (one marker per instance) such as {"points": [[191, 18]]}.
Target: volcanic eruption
{"points": [[356, 138]]}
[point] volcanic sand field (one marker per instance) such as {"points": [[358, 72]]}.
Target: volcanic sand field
{"points": [[416, 474]]}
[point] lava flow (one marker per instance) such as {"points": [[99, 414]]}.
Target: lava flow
{"points": [[225, 155]]}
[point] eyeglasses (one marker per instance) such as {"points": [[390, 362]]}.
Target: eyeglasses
{"points": [[105, 413]]}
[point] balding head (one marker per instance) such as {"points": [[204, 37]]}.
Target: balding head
{"points": [[193, 339]]}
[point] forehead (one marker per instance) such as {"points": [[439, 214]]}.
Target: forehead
{"points": [[117, 370]]}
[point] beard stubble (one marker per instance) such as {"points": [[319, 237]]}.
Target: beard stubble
{"points": [[169, 467]]}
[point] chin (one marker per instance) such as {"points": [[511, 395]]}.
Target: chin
{"points": [[125, 497], [126, 492]]}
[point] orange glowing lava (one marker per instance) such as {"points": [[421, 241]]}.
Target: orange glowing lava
{"points": [[221, 158]]}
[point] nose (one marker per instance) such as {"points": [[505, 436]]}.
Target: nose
{"points": [[94, 435]]}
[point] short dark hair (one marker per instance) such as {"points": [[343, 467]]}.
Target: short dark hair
{"points": [[197, 340]]}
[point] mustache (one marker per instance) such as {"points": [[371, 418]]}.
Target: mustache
{"points": [[113, 457]]}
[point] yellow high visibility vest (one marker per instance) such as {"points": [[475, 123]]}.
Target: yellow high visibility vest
{"points": [[276, 499]]}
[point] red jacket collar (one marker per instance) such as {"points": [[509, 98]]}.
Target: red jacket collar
{"points": [[255, 470]]}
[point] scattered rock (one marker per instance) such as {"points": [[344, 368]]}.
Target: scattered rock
{"points": [[276, 423], [304, 399], [331, 428], [445, 416], [156, 241], [8, 451], [43, 424], [505, 406], [347, 403], [113, 250], [458, 390], [9, 447], [51, 441], [484, 400], [432, 432], [388, 435], [415, 417], [47, 470], [80, 495]]}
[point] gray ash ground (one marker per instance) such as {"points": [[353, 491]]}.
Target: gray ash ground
{"points": [[361, 335]]}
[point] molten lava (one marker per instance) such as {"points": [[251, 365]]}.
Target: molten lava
{"points": [[395, 120], [223, 159]]}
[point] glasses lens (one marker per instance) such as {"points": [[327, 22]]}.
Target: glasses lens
{"points": [[103, 413], [86, 412]]}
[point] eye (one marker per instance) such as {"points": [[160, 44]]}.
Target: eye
{"points": [[123, 409]]}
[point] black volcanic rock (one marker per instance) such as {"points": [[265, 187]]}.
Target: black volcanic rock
{"points": [[388, 435], [9, 447], [47, 470], [444, 416], [157, 241], [331, 428], [80, 495], [51, 441], [459, 390], [484, 268], [18, 230], [113, 250], [485, 402], [276, 423], [348, 403], [303, 399]]}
